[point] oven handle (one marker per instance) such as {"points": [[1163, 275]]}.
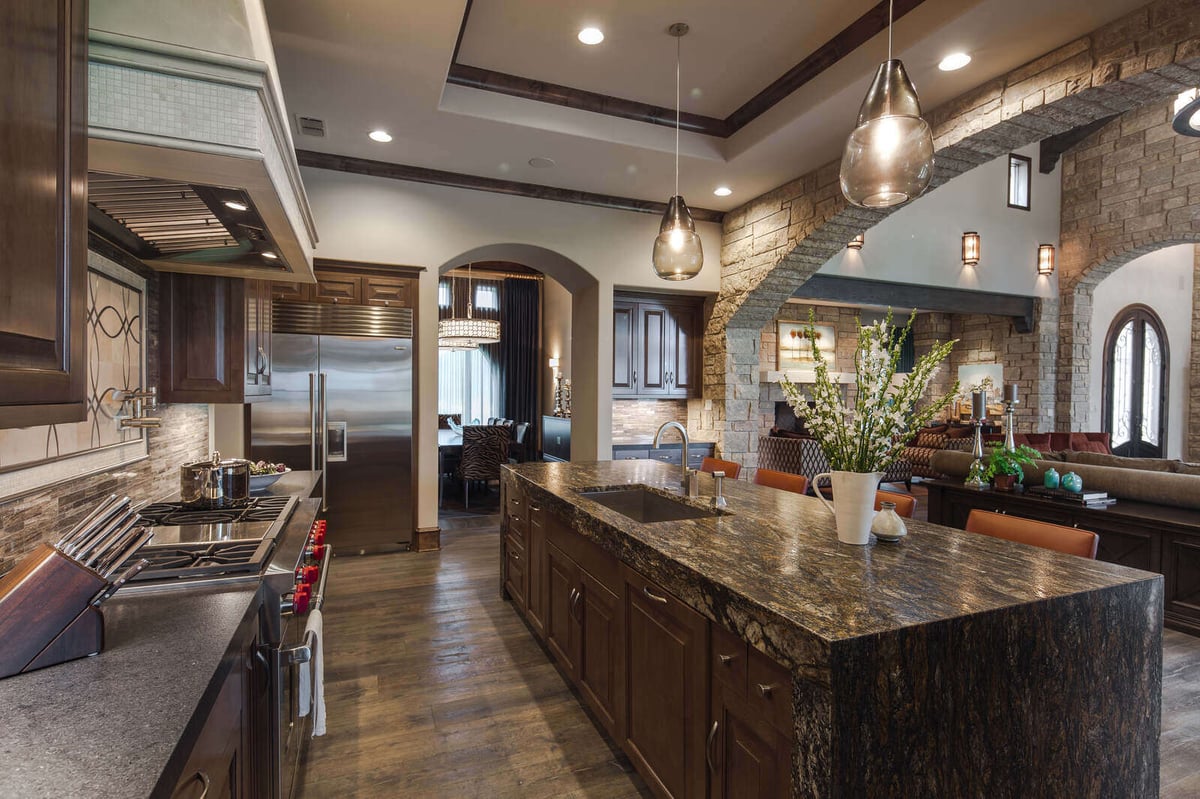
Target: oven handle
{"points": [[302, 652]]}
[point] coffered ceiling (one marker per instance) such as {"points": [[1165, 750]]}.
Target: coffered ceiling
{"points": [[365, 64]]}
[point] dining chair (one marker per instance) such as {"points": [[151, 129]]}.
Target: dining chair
{"points": [[518, 450], [1070, 540], [731, 469], [484, 451], [905, 503], [796, 483]]}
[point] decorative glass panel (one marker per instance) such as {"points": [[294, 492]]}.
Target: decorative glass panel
{"points": [[1019, 169], [1151, 386], [1122, 386]]}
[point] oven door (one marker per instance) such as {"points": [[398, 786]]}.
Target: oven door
{"points": [[294, 731]]}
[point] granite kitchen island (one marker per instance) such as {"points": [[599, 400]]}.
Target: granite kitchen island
{"points": [[948, 665]]}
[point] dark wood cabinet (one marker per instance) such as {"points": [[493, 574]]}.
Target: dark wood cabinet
{"points": [[1155, 538], [214, 766], [656, 346], [387, 291], [43, 212], [516, 572], [344, 289], [601, 677], [666, 656], [347, 284], [215, 338], [562, 620], [747, 758], [535, 605]]}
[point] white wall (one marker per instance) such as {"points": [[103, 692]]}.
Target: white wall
{"points": [[1163, 281], [556, 336], [364, 218], [922, 242]]}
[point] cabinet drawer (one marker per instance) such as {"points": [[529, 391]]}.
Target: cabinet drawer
{"points": [[671, 456], [630, 454], [518, 516], [516, 570], [770, 691], [337, 289], [291, 292], [389, 291], [729, 659]]}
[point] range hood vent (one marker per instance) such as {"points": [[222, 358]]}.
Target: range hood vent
{"points": [[311, 126]]}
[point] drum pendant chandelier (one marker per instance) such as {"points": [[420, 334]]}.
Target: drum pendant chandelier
{"points": [[888, 159], [458, 333], [678, 254]]}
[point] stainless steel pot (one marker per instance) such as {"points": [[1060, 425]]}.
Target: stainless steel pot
{"points": [[215, 483]]}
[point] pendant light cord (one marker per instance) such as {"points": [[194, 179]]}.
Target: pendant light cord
{"points": [[678, 46], [469, 295], [891, 7]]}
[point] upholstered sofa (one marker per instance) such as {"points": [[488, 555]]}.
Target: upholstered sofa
{"points": [[1060, 442], [803, 455], [931, 440], [1151, 480], [919, 452]]}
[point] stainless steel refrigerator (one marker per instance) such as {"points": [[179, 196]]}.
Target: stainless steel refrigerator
{"points": [[341, 401]]}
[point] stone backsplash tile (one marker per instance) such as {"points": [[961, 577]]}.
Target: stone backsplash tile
{"points": [[636, 421]]}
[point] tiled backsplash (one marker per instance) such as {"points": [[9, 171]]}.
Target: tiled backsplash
{"points": [[636, 421]]}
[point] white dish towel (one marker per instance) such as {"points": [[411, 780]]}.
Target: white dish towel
{"points": [[312, 676]]}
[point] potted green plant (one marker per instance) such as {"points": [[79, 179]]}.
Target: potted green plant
{"points": [[1004, 467]]}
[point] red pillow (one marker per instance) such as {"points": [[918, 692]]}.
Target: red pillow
{"points": [[961, 432], [1039, 441]]}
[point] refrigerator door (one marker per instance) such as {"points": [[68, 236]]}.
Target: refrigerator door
{"points": [[369, 426], [284, 429]]}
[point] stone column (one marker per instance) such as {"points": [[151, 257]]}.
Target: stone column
{"points": [[1193, 414], [1074, 357]]}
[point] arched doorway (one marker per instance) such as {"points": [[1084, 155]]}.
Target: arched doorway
{"points": [[1136, 369]]}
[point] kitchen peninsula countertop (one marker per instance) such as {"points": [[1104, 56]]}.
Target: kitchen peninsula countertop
{"points": [[116, 723], [945, 665]]}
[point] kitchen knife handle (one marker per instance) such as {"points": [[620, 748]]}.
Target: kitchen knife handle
{"points": [[324, 445]]}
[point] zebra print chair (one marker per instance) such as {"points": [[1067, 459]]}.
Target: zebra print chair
{"points": [[484, 450]]}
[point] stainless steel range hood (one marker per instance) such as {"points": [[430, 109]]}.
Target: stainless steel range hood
{"points": [[175, 133]]}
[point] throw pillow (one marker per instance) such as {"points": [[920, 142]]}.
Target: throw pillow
{"points": [[930, 440]]}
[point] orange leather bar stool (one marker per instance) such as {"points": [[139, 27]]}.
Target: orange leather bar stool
{"points": [[786, 481], [905, 503], [1070, 540], [731, 469]]}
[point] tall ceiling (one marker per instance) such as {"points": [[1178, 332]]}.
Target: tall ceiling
{"points": [[366, 64]]}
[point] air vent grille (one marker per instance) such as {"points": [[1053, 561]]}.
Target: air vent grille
{"points": [[342, 320], [167, 214], [311, 126]]}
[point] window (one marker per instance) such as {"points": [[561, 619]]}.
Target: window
{"points": [[1135, 383], [1020, 168], [469, 385]]}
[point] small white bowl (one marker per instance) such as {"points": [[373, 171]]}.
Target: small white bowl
{"points": [[261, 482]]}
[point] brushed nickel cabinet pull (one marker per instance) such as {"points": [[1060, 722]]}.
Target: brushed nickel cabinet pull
{"points": [[726, 659], [575, 605], [651, 595], [766, 690], [708, 747]]}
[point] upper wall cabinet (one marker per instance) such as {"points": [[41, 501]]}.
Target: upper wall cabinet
{"points": [[345, 283], [656, 346], [43, 212], [215, 339]]}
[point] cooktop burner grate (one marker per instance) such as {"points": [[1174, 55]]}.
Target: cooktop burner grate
{"points": [[258, 509], [199, 560]]}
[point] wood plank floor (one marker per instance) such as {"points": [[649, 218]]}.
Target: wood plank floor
{"points": [[435, 688]]}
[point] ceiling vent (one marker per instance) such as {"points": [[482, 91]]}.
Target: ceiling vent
{"points": [[311, 126]]}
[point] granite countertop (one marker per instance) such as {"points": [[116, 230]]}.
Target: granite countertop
{"points": [[773, 570], [108, 725]]}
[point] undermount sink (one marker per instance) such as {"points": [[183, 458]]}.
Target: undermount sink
{"points": [[645, 505]]}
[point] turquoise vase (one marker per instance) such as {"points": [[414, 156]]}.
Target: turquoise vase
{"points": [[1072, 482], [1050, 479]]}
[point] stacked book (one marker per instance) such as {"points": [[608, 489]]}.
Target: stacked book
{"points": [[1088, 499]]}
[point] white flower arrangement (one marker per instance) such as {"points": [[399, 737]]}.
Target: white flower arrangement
{"points": [[885, 417]]}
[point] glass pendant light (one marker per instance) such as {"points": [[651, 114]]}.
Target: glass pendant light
{"points": [[889, 156], [458, 333], [678, 254]]}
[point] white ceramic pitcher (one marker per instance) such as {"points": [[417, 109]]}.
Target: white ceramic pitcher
{"points": [[853, 503]]}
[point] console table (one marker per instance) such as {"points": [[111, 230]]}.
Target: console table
{"points": [[1156, 538]]}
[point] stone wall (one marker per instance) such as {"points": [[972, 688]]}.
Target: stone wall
{"points": [[635, 421], [1192, 452], [777, 241]]}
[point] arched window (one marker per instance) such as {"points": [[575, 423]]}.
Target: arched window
{"points": [[1135, 383]]}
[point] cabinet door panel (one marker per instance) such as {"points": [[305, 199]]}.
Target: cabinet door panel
{"points": [[291, 292], [748, 759], [515, 571], [536, 567], [666, 658], [653, 349], [338, 289], [43, 212], [600, 660], [204, 318], [685, 341], [1182, 577], [392, 292], [624, 349], [562, 627]]}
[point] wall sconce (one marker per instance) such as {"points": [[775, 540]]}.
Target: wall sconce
{"points": [[856, 243], [970, 249], [1045, 262], [554, 364]]}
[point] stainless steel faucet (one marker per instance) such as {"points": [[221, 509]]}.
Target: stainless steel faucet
{"points": [[719, 500], [690, 481]]}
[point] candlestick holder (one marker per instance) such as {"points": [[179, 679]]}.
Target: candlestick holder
{"points": [[1009, 411], [975, 474]]}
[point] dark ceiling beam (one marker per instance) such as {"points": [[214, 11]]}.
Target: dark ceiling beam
{"points": [[850, 38], [555, 94], [886, 294], [1051, 149], [438, 177]]}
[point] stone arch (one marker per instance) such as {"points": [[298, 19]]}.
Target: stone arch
{"points": [[776, 242], [593, 408]]}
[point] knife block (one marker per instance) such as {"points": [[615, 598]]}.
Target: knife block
{"points": [[46, 616]]}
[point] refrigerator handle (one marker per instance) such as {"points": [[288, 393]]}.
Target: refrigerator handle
{"points": [[324, 446], [312, 422]]}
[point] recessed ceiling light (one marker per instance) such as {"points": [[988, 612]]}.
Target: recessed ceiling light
{"points": [[954, 61], [269, 255], [722, 191], [541, 163], [236, 206], [381, 136], [591, 36]]}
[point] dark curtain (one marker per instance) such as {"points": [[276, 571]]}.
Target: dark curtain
{"points": [[520, 342]]}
